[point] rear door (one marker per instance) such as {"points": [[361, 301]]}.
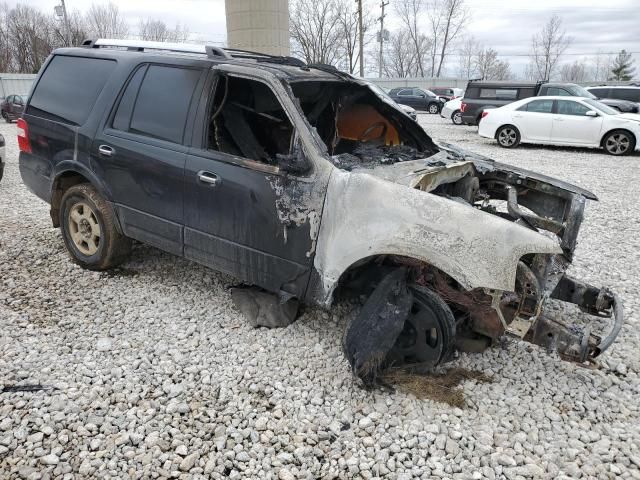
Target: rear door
{"points": [[535, 120], [572, 125], [140, 152]]}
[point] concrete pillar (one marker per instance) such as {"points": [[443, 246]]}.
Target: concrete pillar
{"points": [[258, 25]]}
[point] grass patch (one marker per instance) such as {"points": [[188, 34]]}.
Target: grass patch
{"points": [[439, 387]]}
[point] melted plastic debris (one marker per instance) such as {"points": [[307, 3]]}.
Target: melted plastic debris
{"points": [[367, 155]]}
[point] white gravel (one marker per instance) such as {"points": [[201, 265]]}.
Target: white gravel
{"points": [[154, 374]]}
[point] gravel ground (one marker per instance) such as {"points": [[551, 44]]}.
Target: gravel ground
{"points": [[150, 372]]}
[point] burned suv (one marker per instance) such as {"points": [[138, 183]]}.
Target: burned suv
{"points": [[307, 183]]}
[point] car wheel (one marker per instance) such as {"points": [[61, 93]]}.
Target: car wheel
{"points": [[508, 136], [428, 336], [89, 231], [433, 109], [5, 115], [619, 142], [456, 117]]}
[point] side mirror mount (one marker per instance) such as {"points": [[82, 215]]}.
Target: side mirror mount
{"points": [[591, 113], [295, 163]]}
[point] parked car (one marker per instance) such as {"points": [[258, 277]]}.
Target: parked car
{"points": [[406, 108], [12, 107], [561, 120], [624, 98], [452, 110], [447, 94], [2, 156], [481, 95], [417, 98], [303, 181]]}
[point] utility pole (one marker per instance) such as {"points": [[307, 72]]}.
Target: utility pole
{"points": [[381, 60], [361, 35], [61, 11]]}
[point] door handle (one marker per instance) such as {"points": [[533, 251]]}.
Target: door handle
{"points": [[208, 178], [106, 150], [559, 119]]}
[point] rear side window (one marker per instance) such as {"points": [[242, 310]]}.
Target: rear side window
{"points": [[631, 94], [405, 93], [600, 92], [156, 102], [538, 106], [499, 93], [69, 87]]}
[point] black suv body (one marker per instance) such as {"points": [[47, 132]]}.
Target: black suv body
{"points": [[306, 182], [481, 95], [417, 98]]}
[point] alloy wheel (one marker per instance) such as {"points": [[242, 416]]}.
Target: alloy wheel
{"points": [[84, 229], [618, 143], [507, 137], [433, 109], [456, 118]]}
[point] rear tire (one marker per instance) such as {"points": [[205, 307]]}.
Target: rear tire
{"points": [[619, 143], [88, 225], [508, 136], [456, 117]]}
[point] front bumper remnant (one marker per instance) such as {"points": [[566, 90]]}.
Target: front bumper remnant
{"points": [[574, 342]]}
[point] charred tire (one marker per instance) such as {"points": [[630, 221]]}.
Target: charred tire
{"points": [[456, 117], [433, 109], [508, 136], [429, 332], [619, 142], [89, 229]]}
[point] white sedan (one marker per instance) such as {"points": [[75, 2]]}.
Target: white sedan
{"points": [[451, 110], [571, 121]]}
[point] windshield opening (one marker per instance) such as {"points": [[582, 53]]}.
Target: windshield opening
{"points": [[360, 125], [578, 91]]}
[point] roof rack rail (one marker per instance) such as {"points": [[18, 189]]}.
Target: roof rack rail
{"points": [[142, 45]]}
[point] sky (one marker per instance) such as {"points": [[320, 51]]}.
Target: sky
{"points": [[506, 26]]}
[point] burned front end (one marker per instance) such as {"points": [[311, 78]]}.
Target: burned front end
{"points": [[552, 208]]}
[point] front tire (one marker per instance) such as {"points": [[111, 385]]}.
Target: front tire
{"points": [[433, 109], [89, 230], [508, 136], [456, 117], [619, 142], [6, 117]]}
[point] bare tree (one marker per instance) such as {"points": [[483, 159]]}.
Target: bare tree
{"points": [[466, 55], [315, 30], [574, 72], [489, 67], [105, 21], [5, 46], [547, 47], [30, 36], [601, 66], [77, 26], [349, 35], [411, 14], [400, 56], [452, 19], [158, 31]]}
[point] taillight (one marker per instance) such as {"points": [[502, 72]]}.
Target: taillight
{"points": [[463, 107], [23, 136], [484, 114]]}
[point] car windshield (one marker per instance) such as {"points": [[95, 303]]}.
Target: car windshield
{"points": [[578, 91], [428, 93], [601, 107]]}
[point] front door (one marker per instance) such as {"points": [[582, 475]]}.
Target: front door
{"points": [[140, 154], [243, 215], [572, 125]]}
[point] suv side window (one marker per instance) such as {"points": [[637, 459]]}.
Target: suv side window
{"points": [[247, 120], [567, 107], [555, 91], [538, 106], [158, 114], [407, 92], [123, 113], [600, 92], [499, 93], [630, 94], [69, 87]]}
